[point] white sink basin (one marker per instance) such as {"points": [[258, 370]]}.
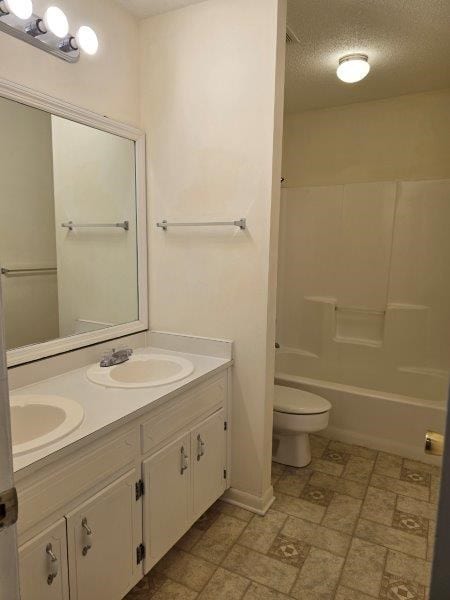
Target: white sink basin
{"points": [[39, 420], [142, 370]]}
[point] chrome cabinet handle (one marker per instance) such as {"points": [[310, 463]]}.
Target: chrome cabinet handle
{"points": [[200, 447], [53, 564], [184, 461], [88, 532]]}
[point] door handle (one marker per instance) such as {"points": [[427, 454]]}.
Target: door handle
{"points": [[200, 447], [88, 534], [184, 461], [53, 564], [434, 443]]}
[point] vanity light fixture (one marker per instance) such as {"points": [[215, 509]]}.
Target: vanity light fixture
{"points": [[49, 33], [22, 9], [353, 68]]}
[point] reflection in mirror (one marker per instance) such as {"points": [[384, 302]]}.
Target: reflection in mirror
{"points": [[57, 280]]}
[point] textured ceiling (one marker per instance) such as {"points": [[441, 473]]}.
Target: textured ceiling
{"points": [[407, 41], [147, 8]]}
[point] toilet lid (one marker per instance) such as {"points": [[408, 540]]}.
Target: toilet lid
{"points": [[298, 402]]}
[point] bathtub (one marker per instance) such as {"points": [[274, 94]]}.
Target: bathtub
{"points": [[376, 419]]}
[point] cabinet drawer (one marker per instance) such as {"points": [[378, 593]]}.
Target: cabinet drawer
{"points": [[182, 411], [60, 483]]}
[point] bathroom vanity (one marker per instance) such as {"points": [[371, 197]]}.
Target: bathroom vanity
{"points": [[98, 508]]}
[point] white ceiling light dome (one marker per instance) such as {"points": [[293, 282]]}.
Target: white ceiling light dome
{"points": [[23, 9], [353, 68], [87, 40], [56, 21]]}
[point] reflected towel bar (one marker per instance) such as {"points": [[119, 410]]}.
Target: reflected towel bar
{"points": [[6, 271], [242, 224], [70, 225]]}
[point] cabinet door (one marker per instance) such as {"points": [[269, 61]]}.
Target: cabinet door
{"points": [[166, 500], [208, 443], [103, 535], [43, 565]]}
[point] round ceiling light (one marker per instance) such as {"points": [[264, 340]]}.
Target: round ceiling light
{"points": [[353, 68], [23, 9], [56, 21], [87, 40]]}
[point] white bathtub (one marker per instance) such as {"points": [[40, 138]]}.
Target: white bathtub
{"points": [[371, 418]]}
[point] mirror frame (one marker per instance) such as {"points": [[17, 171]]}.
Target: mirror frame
{"points": [[61, 108]]}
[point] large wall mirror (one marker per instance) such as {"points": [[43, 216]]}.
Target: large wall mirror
{"points": [[72, 230]]}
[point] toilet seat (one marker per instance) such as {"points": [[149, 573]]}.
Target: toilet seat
{"points": [[299, 402]]}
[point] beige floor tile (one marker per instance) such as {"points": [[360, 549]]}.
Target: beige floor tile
{"points": [[358, 469], [434, 489], [338, 484], [289, 550], [415, 476], [225, 585], [261, 592], [360, 451], [431, 539], [417, 507], [410, 523], [317, 536], [391, 538], [318, 445], [293, 481], [344, 593], [186, 569], [393, 587], [218, 539], [234, 511], [316, 495], [379, 506], [342, 513], [262, 531], [364, 567], [412, 569], [189, 539], [318, 577], [388, 464], [326, 466], [298, 507], [400, 487], [421, 466], [171, 590], [261, 569]]}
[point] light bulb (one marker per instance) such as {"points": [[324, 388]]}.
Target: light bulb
{"points": [[56, 21], [87, 40], [23, 9], [353, 68]]}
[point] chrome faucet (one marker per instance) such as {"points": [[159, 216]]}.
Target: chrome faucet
{"points": [[116, 357]]}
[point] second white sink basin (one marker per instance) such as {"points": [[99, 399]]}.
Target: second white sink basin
{"points": [[142, 370], [39, 420]]}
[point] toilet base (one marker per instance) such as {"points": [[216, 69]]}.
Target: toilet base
{"points": [[292, 450]]}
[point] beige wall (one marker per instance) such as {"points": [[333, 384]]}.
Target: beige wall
{"points": [[27, 225], [209, 74], [94, 182], [106, 83], [395, 139]]}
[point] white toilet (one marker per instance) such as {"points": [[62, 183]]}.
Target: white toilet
{"points": [[296, 414]]}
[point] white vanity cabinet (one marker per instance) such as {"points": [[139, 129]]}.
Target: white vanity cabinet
{"points": [[103, 535], [94, 520], [43, 565]]}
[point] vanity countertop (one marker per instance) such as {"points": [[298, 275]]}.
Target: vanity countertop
{"points": [[106, 408]]}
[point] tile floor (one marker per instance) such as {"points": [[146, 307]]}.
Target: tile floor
{"points": [[356, 524]]}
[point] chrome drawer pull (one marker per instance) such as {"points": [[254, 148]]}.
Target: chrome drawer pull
{"points": [[53, 564], [200, 447], [184, 461], [88, 531]]}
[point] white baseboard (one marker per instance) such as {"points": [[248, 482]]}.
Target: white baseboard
{"points": [[256, 504]]}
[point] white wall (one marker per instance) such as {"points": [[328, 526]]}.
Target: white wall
{"points": [[212, 80], [27, 225], [94, 182]]}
